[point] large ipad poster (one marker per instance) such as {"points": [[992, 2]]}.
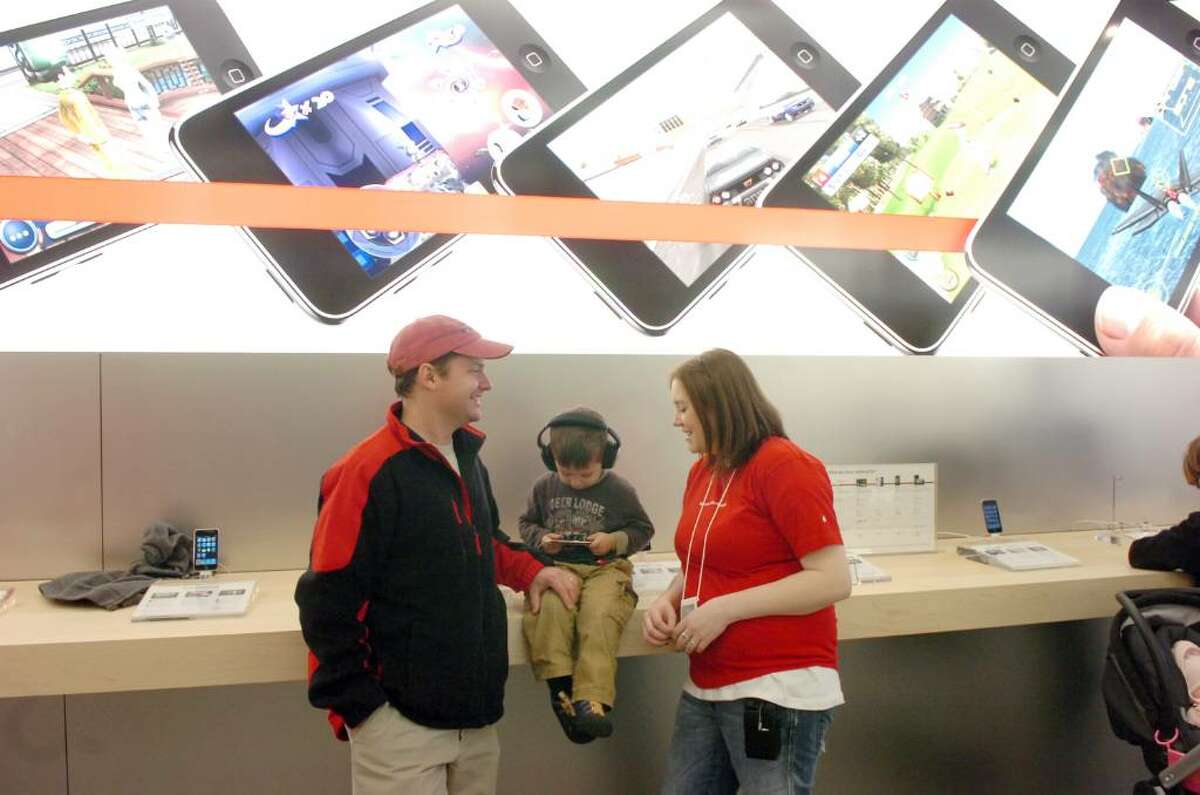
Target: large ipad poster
{"points": [[1118, 189], [425, 98]]}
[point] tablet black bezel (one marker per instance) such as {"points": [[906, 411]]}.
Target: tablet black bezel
{"points": [[910, 313], [323, 274], [1005, 252], [640, 284], [215, 42]]}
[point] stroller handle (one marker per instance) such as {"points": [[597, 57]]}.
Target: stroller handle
{"points": [[1157, 657]]}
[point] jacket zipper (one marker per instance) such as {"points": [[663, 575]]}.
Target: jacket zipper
{"points": [[470, 519]]}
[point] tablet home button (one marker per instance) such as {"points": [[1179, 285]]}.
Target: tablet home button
{"points": [[534, 58], [805, 55], [236, 73], [1028, 49]]}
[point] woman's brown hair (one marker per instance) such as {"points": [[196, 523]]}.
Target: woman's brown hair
{"points": [[733, 411], [1191, 462]]}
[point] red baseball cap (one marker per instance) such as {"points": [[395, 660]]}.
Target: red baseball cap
{"points": [[432, 337]]}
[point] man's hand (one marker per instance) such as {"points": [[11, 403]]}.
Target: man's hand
{"points": [[561, 581], [601, 544]]}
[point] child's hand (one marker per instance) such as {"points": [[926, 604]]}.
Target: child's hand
{"points": [[601, 543], [551, 543]]}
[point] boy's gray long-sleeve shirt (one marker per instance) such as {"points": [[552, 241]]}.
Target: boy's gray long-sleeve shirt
{"points": [[610, 506]]}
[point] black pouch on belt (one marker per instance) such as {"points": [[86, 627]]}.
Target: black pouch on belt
{"points": [[762, 723]]}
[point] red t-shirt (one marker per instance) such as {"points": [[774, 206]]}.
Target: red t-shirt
{"points": [[779, 508]]}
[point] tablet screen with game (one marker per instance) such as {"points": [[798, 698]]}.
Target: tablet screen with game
{"points": [[427, 103], [94, 96], [712, 116], [939, 133], [1111, 195]]}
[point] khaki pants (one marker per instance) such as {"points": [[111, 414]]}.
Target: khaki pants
{"points": [[391, 755], [583, 642]]}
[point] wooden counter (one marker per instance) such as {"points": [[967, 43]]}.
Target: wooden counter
{"points": [[50, 649]]}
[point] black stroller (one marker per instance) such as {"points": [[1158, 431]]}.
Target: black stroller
{"points": [[1144, 690]]}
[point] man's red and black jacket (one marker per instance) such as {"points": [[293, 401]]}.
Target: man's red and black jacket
{"points": [[400, 602]]}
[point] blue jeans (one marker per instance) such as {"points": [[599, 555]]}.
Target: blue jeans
{"points": [[708, 752]]}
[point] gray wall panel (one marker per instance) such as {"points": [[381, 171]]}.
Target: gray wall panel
{"points": [[50, 464], [232, 441], [240, 441], [991, 712], [1044, 436], [33, 747], [246, 739]]}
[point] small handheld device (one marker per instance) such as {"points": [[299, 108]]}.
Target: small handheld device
{"points": [[205, 551], [991, 517]]}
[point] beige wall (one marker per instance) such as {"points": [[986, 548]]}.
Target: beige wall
{"points": [[240, 441], [50, 514], [33, 746]]}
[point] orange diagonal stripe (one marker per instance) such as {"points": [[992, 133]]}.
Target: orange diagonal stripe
{"points": [[287, 207]]}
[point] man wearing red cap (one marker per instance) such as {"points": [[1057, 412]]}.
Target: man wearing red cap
{"points": [[407, 631]]}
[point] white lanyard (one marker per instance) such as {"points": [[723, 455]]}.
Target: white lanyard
{"points": [[719, 504]]}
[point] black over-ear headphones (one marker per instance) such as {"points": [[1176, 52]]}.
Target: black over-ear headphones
{"points": [[575, 419]]}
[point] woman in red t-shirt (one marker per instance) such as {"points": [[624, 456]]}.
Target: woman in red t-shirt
{"points": [[763, 564]]}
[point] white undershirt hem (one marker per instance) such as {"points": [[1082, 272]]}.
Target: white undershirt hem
{"points": [[815, 688]]}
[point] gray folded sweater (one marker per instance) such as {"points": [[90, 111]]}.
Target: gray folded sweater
{"points": [[166, 553]]}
